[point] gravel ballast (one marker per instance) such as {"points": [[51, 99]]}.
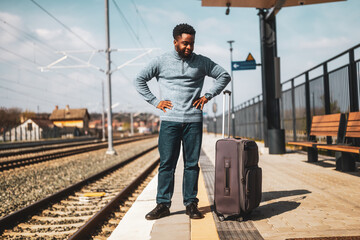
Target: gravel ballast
{"points": [[23, 186]]}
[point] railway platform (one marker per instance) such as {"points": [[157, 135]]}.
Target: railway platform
{"points": [[300, 200]]}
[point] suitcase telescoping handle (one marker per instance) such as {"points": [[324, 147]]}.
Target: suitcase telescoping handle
{"points": [[223, 119]]}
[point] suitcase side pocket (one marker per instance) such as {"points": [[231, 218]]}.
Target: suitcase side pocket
{"points": [[251, 154], [253, 179]]}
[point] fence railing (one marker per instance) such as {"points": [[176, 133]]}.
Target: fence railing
{"points": [[330, 87]]}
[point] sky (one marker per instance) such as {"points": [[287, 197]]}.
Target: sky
{"points": [[70, 36]]}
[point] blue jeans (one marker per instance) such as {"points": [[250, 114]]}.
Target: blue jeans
{"points": [[170, 138]]}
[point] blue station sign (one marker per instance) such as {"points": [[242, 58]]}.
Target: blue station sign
{"points": [[249, 64]]}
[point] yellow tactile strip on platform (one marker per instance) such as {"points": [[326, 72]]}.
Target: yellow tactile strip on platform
{"points": [[204, 228]]}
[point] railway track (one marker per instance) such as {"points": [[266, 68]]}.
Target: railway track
{"points": [[78, 210], [13, 152], [63, 151], [30, 144]]}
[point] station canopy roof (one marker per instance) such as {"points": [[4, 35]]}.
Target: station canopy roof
{"points": [[262, 3]]}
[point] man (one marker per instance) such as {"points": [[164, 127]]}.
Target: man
{"points": [[180, 75]]}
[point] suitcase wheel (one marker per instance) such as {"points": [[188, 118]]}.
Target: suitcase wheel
{"points": [[221, 217], [240, 219]]}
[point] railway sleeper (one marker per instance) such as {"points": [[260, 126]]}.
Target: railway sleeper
{"points": [[44, 235], [78, 203], [75, 214], [50, 226], [63, 219], [72, 208]]}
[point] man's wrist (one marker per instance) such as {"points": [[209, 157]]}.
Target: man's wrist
{"points": [[208, 96]]}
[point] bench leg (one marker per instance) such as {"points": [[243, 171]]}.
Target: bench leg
{"points": [[345, 162], [312, 154]]}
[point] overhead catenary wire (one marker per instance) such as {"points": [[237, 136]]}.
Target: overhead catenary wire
{"points": [[22, 101], [25, 94], [45, 78], [29, 60], [45, 45], [39, 89], [127, 23], [62, 24], [65, 26], [143, 22], [18, 55], [28, 43], [29, 36]]}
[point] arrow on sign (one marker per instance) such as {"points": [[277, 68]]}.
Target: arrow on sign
{"points": [[243, 65]]}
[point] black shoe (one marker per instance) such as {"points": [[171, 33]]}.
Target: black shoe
{"points": [[161, 210], [193, 211]]}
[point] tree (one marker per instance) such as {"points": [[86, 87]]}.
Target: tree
{"points": [[9, 117], [27, 114]]}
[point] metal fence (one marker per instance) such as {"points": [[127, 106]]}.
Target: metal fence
{"points": [[327, 92]]}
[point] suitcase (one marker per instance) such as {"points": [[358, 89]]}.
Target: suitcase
{"points": [[238, 177]]}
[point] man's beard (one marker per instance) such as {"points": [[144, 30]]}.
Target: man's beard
{"points": [[182, 54]]}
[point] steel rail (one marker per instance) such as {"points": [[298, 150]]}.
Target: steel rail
{"points": [[27, 144], [21, 215], [46, 148], [91, 225], [10, 164]]}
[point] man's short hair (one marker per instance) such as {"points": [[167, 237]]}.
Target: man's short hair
{"points": [[183, 28]]}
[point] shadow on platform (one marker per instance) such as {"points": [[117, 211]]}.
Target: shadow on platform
{"points": [[178, 212], [331, 163], [279, 207], [267, 196], [273, 209]]}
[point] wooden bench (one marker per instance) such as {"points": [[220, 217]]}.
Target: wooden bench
{"points": [[331, 125], [345, 153]]}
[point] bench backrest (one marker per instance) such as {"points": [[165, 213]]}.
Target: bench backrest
{"points": [[353, 125], [328, 125]]}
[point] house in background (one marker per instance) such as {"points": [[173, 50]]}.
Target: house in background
{"points": [[31, 130], [71, 118]]}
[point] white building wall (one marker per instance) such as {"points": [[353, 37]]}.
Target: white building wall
{"points": [[22, 132]]}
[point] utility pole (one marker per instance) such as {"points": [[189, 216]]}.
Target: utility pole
{"points": [[103, 112], [110, 150], [232, 90], [131, 123]]}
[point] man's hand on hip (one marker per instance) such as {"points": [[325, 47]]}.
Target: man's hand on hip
{"points": [[200, 102], [164, 104]]}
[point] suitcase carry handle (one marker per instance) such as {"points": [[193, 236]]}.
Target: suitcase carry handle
{"points": [[227, 165], [223, 119]]}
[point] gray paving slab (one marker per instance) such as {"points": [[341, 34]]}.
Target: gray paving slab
{"points": [[301, 199], [177, 225], [173, 227], [227, 230]]}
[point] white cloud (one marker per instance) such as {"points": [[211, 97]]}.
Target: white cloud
{"points": [[324, 43], [47, 34], [8, 33], [159, 15], [214, 25], [212, 50], [11, 18], [62, 39]]}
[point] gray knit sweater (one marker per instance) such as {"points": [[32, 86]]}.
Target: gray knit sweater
{"points": [[180, 81]]}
